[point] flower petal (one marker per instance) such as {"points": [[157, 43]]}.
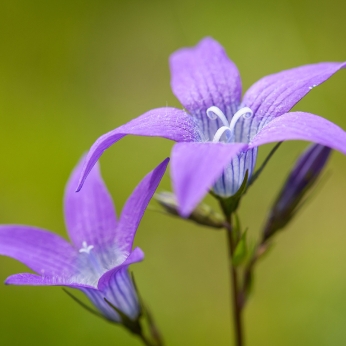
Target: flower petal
{"points": [[28, 279], [120, 292], [98, 300], [170, 123], [117, 287], [44, 252], [203, 76], [196, 166], [302, 126], [89, 214], [276, 94], [137, 255], [135, 206]]}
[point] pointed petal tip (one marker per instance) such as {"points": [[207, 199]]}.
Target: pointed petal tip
{"points": [[83, 175], [8, 281], [164, 163], [137, 255]]}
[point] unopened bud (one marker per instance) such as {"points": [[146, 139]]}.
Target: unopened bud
{"points": [[203, 214], [302, 177]]}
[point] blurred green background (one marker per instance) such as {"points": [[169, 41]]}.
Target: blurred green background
{"points": [[72, 70]]}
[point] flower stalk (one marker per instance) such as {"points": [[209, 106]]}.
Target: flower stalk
{"points": [[235, 297]]}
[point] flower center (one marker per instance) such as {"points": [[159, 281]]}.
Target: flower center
{"points": [[215, 112]]}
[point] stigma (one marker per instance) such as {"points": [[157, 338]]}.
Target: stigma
{"points": [[227, 128], [86, 248]]}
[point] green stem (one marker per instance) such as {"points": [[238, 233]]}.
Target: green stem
{"points": [[145, 340], [236, 306]]}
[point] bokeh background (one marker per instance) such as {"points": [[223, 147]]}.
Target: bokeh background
{"points": [[72, 70]]}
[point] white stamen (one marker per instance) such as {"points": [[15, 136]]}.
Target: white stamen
{"points": [[220, 132], [246, 112], [215, 112], [85, 248]]}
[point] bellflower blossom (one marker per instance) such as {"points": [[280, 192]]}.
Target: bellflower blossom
{"points": [[97, 259], [219, 133]]}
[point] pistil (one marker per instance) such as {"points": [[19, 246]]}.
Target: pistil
{"points": [[215, 112], [91, 257]]}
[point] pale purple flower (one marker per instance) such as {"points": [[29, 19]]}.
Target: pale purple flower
{"points": [[219, 133], [97, 259]]}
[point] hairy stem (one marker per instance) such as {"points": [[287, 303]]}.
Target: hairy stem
{"points": [[236, 303]]}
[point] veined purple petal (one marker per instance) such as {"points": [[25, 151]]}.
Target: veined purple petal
{"points": [[137, 255], [98, 300], [170, 123], [233, 176], [89, 214], [43, 252], [196, 166], [28, 279], [302, 126], [135, 206], [120, 292], [203, 76], [116, 285], [276, 94]]}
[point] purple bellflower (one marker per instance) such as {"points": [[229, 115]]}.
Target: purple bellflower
{"points": [[97, 259], [219, 133]]}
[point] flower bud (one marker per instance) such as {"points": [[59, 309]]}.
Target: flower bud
{"points": [[302, 177], [203, 214]]}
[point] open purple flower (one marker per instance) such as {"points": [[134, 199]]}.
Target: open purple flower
{"points": [[97, 259], [218, 134]]}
